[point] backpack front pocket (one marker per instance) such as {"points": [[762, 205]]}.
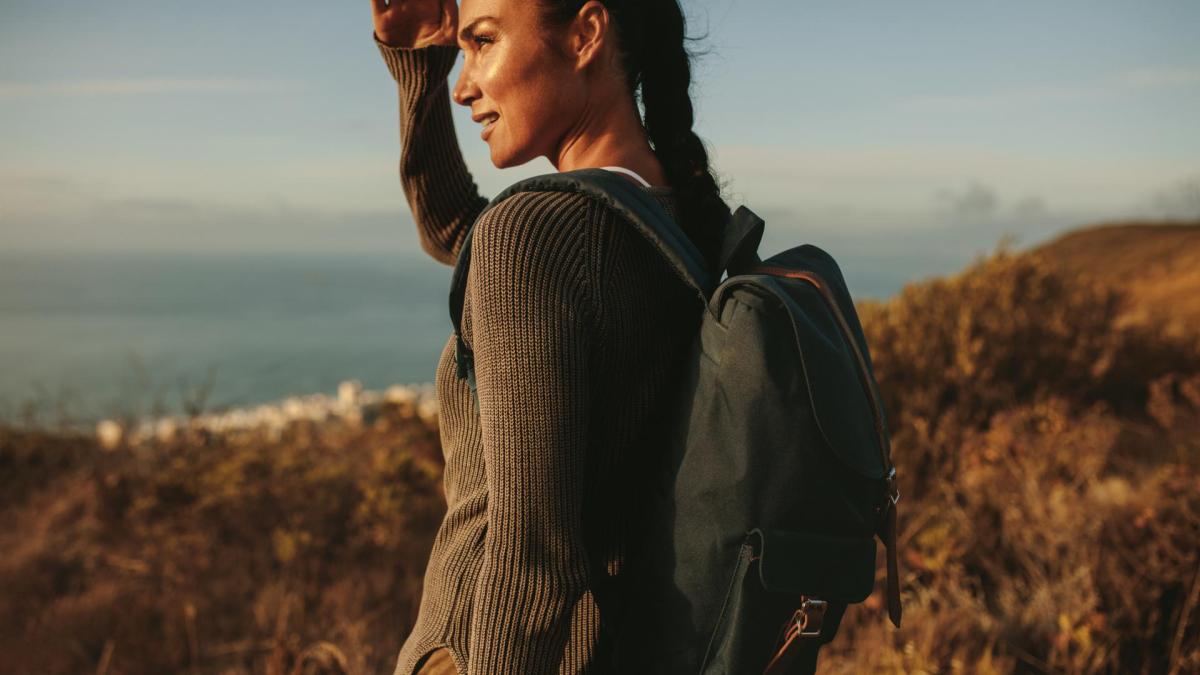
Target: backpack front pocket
{"points": [[763, 594]]}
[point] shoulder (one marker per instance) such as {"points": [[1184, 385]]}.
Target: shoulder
{"points": [[537, 212], [541, 228], [540, 250]]}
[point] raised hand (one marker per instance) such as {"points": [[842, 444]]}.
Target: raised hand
{"points": [[415, 23]]}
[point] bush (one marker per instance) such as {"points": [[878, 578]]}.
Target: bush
{"points": [[1047, 453], [1009, 330], [229, 556]]}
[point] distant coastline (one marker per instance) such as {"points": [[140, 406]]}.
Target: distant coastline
{"points": [[352, 405]]}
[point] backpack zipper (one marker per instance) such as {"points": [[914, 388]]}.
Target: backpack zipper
{"points": [[823, 289]]}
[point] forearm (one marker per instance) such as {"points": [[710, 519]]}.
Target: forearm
{"points": [[521, 619], [440, 190]]}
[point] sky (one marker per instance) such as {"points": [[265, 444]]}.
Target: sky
{"points": [[887, 128]]}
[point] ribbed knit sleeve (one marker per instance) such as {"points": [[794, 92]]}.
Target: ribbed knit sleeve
{"points": [[533, 312], [441, 193]]}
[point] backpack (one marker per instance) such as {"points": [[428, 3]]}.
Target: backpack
{"points": [[777, 443]]}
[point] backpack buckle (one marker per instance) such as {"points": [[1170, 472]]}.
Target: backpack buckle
{"points": [[893, 489], [810, 616]]}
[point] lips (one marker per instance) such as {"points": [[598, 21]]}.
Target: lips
{"points": [[488, 120]]}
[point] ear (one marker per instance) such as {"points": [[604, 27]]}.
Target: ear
{"points": [[590, 34]]}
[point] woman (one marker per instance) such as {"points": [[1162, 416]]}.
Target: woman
{"points": [[576, 323]]}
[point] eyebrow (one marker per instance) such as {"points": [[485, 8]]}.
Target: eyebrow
{"points": [[469, 31]]}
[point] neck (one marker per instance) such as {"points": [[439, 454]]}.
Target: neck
{"points": [[609, 133]]}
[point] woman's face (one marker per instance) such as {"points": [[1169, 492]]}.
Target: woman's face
{"points": [[525, 94]]}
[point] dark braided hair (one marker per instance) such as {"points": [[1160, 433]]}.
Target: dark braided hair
{"points": [[657, 65]]}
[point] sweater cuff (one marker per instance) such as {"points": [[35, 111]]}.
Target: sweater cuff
{"points": [[406, 64]]}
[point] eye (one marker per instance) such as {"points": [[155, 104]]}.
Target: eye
{"points": [[481, 40]]}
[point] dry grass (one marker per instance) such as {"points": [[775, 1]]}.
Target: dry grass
{"points": [[1048, 449], [1049, 461], [218, 556], [1158, 263]]}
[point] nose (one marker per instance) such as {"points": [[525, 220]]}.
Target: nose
{"points": [[465, 90]]}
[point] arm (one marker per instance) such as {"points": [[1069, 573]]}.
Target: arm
{"points": [[440, 190], [532, 312]]}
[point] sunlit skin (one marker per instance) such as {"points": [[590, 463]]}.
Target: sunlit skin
{"points": [[558, 95]]}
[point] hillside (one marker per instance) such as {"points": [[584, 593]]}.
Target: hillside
{"points": [[1157, 264], [1049, 462]]}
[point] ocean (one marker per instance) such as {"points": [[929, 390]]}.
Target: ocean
{"points": [[84, 336], [95, 335]]}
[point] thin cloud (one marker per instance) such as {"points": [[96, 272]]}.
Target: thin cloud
{"points": [[976, 200], [126, 86], [1030, 207], [1179, 200], [1005, 98], [1124, 82], [153, 206], [1164, 77]]}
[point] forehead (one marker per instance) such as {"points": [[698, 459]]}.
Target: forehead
{"points": [[515, 11]]}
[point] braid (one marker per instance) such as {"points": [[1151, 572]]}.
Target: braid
{"points": [[658, 68], [666, 77]]}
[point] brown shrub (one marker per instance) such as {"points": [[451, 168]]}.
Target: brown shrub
{"points": [[1047, 452], [302, 555], [1009, 330], [1044, 555]]}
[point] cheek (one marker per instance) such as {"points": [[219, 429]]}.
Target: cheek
{"points": [[547, 105], [502, 91], [534, 101]]}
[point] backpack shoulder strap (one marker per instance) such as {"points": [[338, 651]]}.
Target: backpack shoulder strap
{"points": [[620, 195]]}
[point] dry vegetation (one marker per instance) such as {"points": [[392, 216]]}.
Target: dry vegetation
{"points": [[1049, 456], [1048, 448], [1159, 264], [223, 554]]}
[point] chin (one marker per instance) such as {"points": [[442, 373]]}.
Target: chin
{"points": [[500, 161], [504, 160]]}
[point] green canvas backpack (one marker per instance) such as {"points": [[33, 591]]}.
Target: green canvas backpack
{"points": [[776, 478]]}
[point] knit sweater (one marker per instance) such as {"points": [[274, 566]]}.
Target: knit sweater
{"points": [[578, 326]]}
